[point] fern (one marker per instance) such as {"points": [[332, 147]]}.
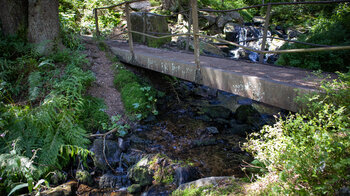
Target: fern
{"points": [[17, 169], [35, 84]]}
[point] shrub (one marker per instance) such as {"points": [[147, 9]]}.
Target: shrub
{"points": [[334, 31], [309, 152], [49, 129]]}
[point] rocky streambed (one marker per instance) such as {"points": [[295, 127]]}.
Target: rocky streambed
{"points": [[197, 134]]}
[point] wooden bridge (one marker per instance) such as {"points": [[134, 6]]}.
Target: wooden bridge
{"points": [[273, 85]]}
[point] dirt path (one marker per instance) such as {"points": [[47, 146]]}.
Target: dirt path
{"points": [[103, 86]]}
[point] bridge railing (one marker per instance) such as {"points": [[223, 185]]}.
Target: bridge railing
{"points": [[193, 24]]}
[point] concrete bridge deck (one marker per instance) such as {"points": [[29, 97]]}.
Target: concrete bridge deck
{"points": [[273, 85]]}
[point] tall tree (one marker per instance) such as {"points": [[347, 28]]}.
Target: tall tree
{"points": [[13, 16], [38, 17]]}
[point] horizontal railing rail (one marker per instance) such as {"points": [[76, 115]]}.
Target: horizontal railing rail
{"points": [[193, 24]]}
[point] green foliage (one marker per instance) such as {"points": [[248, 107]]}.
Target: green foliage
{"points": [[309, 152], [333, 31], [16, 168], [77, 15], [94, 114], [228, 188], [116, 123], [17, 59], [139, 99], [124, 77], [50, 128], [227, 5]]}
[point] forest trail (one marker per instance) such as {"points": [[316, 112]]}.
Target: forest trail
{"points": [[103, 87]]}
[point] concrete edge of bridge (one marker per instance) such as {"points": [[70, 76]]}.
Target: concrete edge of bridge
{"points": [[278, 94]]}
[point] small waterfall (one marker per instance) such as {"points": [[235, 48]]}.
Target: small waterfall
{"points": [[243, 35]]}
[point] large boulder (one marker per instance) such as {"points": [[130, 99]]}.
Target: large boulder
{"points": [[66, 189], [204, 48], [247, 114], [112, 153], [216, 112], [112, 181], [229, 17], [158, 169], [141, 173], [149, 23], [232, 31], [186, 174]]}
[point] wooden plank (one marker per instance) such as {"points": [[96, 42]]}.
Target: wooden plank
{"points": [[196, 39], [266, 26], [128, 23], [96, 23], [189, 30]]}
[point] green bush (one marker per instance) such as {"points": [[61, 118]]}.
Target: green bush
{"points": [[94, 114], [49, 125], [333, 31], [310, 151]]}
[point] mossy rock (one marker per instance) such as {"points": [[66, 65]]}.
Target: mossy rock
{"points": [[135, 188], [155, 169], [124, 77], [149, 23], [216, 112], [141, 173], [84, 177], [247, 114], [58, 177]]}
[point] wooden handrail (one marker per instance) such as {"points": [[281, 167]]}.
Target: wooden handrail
{"points": [[277, 3], [194, 20]]}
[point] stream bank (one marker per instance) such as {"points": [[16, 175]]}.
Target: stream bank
{"points": [[197, 134]]}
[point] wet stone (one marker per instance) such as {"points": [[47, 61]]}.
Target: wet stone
{"points": [[113, 181], [134, 188], [212, 130], [186, 174], [112, 152], [84, 177]]}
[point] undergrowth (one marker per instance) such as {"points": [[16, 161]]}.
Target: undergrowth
{"points": [[138, 97], [308, 152], [44, 114], [333, 31]]}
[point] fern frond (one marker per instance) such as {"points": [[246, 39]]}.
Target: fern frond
{"points": [[35, 83]]}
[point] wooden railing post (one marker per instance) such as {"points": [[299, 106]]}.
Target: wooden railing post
{"points": [[96, 22], [128, 23], [189, 29], [198, 76], [266, 26]]}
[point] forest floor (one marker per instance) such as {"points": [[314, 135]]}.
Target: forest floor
{"points": [[103, 87]]}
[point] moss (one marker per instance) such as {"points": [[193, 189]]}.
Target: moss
{"points": [[135, 188], [139, 99], [84, 177], [132, 97], [156, 43], [124, 77], [228, 188]]}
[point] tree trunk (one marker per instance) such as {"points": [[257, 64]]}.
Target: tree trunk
{"points": [[43, 25], [13, 16]]}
